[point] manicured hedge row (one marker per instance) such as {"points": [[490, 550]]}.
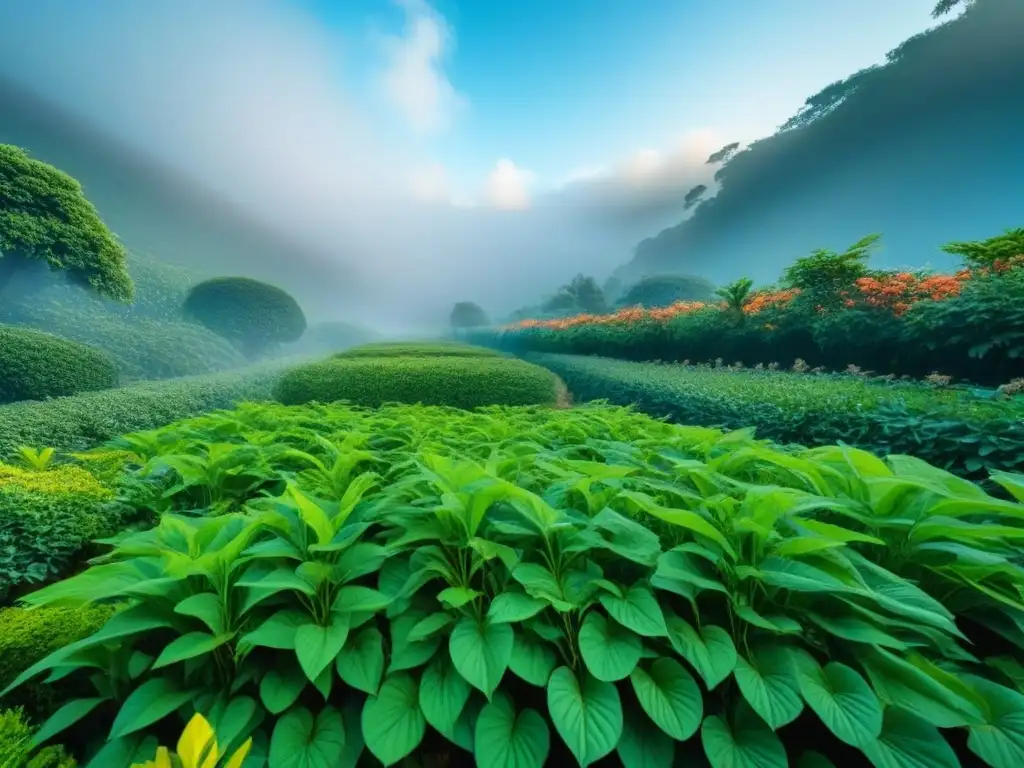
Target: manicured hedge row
{"points": [[947, 428], [36, 365], [463, 382], [83, 421], [424, 349]]}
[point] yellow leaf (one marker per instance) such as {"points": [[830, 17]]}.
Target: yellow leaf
{"points": [[240, 755], [193, 743]]}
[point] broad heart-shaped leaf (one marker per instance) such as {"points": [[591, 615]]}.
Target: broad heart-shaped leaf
{"points": [[748, 743], [407, 654], [610, 651], [431, 625], [711, 651], [189, 647], [843, 701], [1000, 741], [278, 631], [643, 744], [907, 741], [299, 741], [456, 597], [65, 717], [151, 701], [768, 682], [281, 686], [637, 610], [533, 659], [481, 652], [508, 741], [207, 607], [316, 647], [587, 714], [510, 607], [393, 725], [670, 697], [361, 661], [443, 693]]}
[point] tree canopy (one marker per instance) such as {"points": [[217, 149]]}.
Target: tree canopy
{"points": [[247, 312], [466, 314], [664, 290], [45, 219]]}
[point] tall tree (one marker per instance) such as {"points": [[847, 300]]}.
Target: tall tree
{"points": [[467, 314]]}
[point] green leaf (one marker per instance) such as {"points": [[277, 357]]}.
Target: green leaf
{"points": [[843, 701], [356, 599], [207, 607], [278, 631], [610, 651], [150, 702], [456, 597], [508, 741], [281, 686], [431, 625], [511, 607], [711, 652], [768, 683], [361, 661], [907, 741], [749, 743], [393, 725], [540, 583], [316, 647], [189, 647], [65, 717], [406, 654], [587, 715], [299, 741], [532, 658], [278, 580], [670, 697], [481, 652], [443, 693], [637, 610], [643, 745], [1000, 741], [812, 759]]}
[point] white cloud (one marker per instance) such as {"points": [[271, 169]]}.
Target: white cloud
{"points": [[508, 186], [414, 80]]}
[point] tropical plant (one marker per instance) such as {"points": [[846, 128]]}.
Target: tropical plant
{"points": [[197, 748]]}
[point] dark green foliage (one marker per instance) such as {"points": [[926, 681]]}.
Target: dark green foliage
{"points": [[418, 349], [249, 313], [664, 290], [997, 251], [45, 217], [83, 421], [466, 314], [463, 382], [581, 294], [17, 749], [824, 275], [27, 636], [947, 428], [36, 365]]}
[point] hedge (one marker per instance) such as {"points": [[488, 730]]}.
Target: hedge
{"points": [[86, 420], [949, 428], [18, 750], [419, 349], [35, 365], [463, 382]]}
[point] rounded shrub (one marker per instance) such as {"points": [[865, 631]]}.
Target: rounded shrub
{"points": [[252, 314], [462, 382], [418, 349], [35, 365]]}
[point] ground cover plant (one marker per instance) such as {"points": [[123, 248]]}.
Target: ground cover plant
{"points": [[35, 365], [465, 381], [516, 586], [418, 349], [954, 429], [830, 309]]}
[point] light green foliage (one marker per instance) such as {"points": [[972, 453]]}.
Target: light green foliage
{"points": [[516, 576], [36, 365], [83, 421], [45, 217], [17, 749], [464, 382], [950, 428], [418, 349]]}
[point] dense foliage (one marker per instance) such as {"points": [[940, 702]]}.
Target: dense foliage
{"points": [[538, 586], [17, 749], [45, 217], [832, 311], [958, 430], [247, 312], [35, 365], [666, 290], [83, 421], [461, 381]]}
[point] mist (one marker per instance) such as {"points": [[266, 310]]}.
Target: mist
{"points": [[219, 135]]}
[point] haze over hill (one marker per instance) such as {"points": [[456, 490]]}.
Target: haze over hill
{"points": [[384, 173]]}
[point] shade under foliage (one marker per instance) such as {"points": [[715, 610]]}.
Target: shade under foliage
{"points": [[36, 365]]}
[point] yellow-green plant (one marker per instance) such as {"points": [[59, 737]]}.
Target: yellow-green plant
{"points": [[197, 748]]}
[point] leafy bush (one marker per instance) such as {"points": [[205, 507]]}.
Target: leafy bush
{"points": [[464, 382], [467, 314], [29, 636], [36, 365], [45, 217], [540, 586], [418, 349], [248, 313], [948, 428], [17, 749], [83, 421], [664, 290]]}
